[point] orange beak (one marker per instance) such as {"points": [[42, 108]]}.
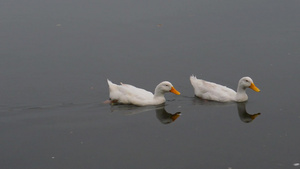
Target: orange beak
{"points": [[254, 116], [253, 87], [175, 116], [173, 90]]}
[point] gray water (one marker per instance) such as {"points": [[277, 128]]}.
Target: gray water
{"points": [[57, 55]]}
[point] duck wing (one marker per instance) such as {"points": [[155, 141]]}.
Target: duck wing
{"points": [[128, 94], [212, 91]]}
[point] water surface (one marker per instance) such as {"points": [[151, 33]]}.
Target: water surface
{"points": [[56, 57]]}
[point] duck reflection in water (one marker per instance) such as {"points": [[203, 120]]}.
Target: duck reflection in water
{"points": [[164, 117], [241, 107], [161, 114], [244, 116]]}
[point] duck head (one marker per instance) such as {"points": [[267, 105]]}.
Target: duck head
{"points": [[247, 82]]}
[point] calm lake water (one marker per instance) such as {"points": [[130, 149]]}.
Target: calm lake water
{"points": [[57, 55]]}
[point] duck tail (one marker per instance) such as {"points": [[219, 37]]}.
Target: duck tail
{"points": [[109, 82], [193, 80], [111, 85], [193, 77]]}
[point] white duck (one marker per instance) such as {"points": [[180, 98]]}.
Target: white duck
{"points": [[212, 91], [128, 94]]}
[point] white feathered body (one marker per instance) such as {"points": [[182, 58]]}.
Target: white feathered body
{"points": [[128, 94], [212, 91]]}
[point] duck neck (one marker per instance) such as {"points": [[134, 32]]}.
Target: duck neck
{"points": [[241, 94], [158, 94]]}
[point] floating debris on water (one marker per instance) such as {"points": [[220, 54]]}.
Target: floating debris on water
{"points": [[159, 25], [296, 164]]}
